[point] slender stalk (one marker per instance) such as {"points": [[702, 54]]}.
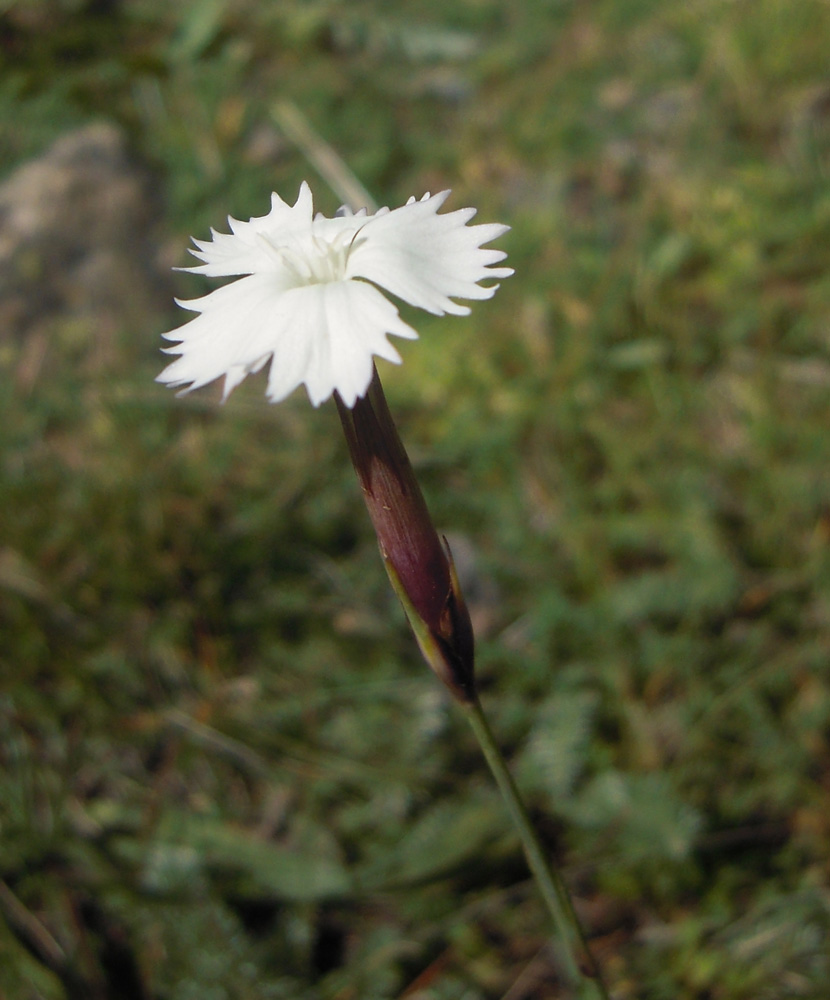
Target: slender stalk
{"points": [[423, 576], [575, 955]]}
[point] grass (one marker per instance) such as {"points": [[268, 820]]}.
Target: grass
{"points": [[226, 772]]}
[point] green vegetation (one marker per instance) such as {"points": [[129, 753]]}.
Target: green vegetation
{"points": [[226, 772]]}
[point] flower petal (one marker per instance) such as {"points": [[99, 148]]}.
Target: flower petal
{"points": [[323, 335], [330, 337], [235, 329], [249, 246], [425, 258]]}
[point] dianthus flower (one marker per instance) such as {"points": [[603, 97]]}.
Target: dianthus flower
{"points": [[307, 296], [307, 299]]}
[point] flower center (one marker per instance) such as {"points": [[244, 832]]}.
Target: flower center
{"points": [[316, 261]]}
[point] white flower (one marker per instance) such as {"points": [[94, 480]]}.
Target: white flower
{"points": [[309, 299]]}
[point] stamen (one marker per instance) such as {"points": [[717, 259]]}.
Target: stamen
{"points": [[318, 262]]}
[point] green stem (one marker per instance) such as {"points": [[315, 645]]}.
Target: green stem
{"points": [[576, 957]]}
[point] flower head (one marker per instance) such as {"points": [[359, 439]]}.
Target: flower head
{"points": [[307, 295]]}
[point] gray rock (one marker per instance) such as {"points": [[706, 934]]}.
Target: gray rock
{"points": [[76, 245]]}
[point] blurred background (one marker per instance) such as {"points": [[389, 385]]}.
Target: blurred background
{"points": [[226, 772]]}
